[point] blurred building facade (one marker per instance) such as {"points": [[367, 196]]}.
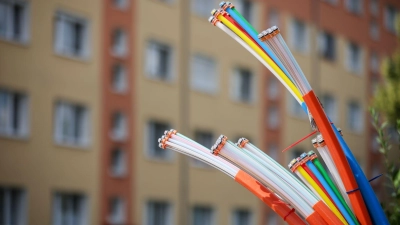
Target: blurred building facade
{"points": [[87, 88]]}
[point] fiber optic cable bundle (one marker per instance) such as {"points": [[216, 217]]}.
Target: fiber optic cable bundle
{"points": [[271, 50], [179, 143], [260, 174]]}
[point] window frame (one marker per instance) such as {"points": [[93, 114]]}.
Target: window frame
{"points": [[203, 207], [167, 156], [121, 216], [66, 109], [22, 204], [119, 43], [204, 86], [119, 126], [169, 213], [359, 124], [118, 170], [355, 7], [25, 23], [236, 86], [118, 72], [301, 45], [59, 45], [22, 117], [235, 216], [151, 47]]}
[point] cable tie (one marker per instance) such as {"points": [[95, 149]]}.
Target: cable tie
{"points": [[349, 192], [290, 212], [299, 141]]}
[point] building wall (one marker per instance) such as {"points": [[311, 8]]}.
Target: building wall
{"points": [[36, 163], [115, 186]]}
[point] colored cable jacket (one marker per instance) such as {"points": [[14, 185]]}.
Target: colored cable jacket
{"points": [[255, 42], [253, 52], [375, 210], [268, 198], [324, 152], [291, 183], [328, 179], [315, 179], [250, 30], [328, 202], [338, 157], [262, 54], [233, 154], [288, 176], [332, 194], [186, 146]]}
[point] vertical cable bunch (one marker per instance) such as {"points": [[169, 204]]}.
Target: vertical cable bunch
{"points": [[271, 50]]}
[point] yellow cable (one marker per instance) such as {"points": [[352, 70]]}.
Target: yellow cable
{"points": [[266, 58], [322, 194]]}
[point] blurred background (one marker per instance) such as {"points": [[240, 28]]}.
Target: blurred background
{"points": [[87, 87]]}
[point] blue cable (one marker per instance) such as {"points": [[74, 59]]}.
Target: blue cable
{"points": [[374, 208], [339, 204], [262, 44]]}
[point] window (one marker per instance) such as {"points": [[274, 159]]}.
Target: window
{"points": [[355, 6], [70, 209], [71, 124], [154, 131], [159, 213], [119, 43], [374, 7], [202, 215], [327, 46], [243, 88], [299, 36], [246, 8], [273, 117], [121, 4], [355, 117], [332, 2], [374, 63], [204, 74], [14, 20], [272, 88], [159, 61], [272, 218], [273, 18], [203, 8], [353, 59], [14, 111], [117, 211], [12, 206], [329, 105], [118, 163], [374, 30], [242, 217], [294, 108], [119, 79], [390, 18], [119, 126], [71, 35], [206, 139]]}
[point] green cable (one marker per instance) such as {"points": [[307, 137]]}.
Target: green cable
{"points": [[322, 170], [240, 15]]}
